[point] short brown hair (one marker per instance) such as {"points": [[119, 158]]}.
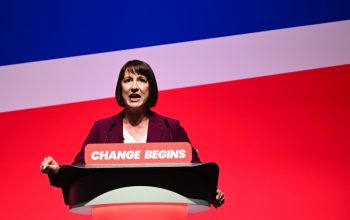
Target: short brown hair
{"points": [[142, 68]]}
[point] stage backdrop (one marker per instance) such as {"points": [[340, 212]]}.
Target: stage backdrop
{"points": [[262, 89]]}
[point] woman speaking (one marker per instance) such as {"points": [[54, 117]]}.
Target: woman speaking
{"points": [[136, 92]]}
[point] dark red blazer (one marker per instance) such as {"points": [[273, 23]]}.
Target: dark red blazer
{"points": [[102, 132], [110, 130]]}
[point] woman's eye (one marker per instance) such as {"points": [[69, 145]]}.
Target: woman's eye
{"points": [[143, 80], [126, 80]]}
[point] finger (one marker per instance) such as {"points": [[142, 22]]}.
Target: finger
{"points": [[49, 160], [218, 194], [222, 198], [45, 163]]}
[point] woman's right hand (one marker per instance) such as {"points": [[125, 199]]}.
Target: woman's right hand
{"points": [[49, 166]]}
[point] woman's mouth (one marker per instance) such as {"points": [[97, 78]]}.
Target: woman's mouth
{"points": [[134, 97]]}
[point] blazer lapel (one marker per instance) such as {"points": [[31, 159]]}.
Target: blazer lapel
{"points": [[155, 128], [116, 135]]}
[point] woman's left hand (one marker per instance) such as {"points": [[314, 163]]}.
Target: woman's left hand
{"points": [[219, 199]]}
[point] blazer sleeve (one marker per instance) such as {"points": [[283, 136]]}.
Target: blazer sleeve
{"points": [[79, 158], [93, 137], [181, 136]]}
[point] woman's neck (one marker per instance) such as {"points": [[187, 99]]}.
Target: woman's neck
{"points": [[135, 118]]}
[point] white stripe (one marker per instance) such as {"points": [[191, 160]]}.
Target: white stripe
{"points": [[90, 77]]}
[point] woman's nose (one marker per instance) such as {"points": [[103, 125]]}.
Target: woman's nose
{"points": [[134, 89], [134, 86]]}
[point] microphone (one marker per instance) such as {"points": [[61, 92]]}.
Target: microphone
{"points": [[109, 130], [169, 128]]}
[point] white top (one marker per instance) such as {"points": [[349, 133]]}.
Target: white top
{"points": [[130, 139]]}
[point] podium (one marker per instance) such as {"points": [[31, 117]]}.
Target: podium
{"points": [[139, 191]]}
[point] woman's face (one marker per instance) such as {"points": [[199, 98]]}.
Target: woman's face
{"points": [[135, 90]]}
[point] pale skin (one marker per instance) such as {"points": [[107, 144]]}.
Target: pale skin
{"points": [[135, 92], [49, 166]]}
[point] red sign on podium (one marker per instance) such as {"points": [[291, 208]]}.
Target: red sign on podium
{"points": [[145, 153]]}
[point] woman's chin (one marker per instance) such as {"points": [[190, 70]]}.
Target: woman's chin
{"points": [[135, 105]]}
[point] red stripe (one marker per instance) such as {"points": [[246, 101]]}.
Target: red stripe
{"points": [[282, 143]]}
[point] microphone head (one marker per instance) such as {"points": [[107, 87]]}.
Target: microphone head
{"points": [[111, 127], [166, 123], [109, 130], [168, 127]]}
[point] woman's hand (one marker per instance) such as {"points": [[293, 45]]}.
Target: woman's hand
{"points": [[219, 199], [49, 166]]}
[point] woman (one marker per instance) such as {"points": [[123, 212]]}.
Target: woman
{"points": [[137, 92]]}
